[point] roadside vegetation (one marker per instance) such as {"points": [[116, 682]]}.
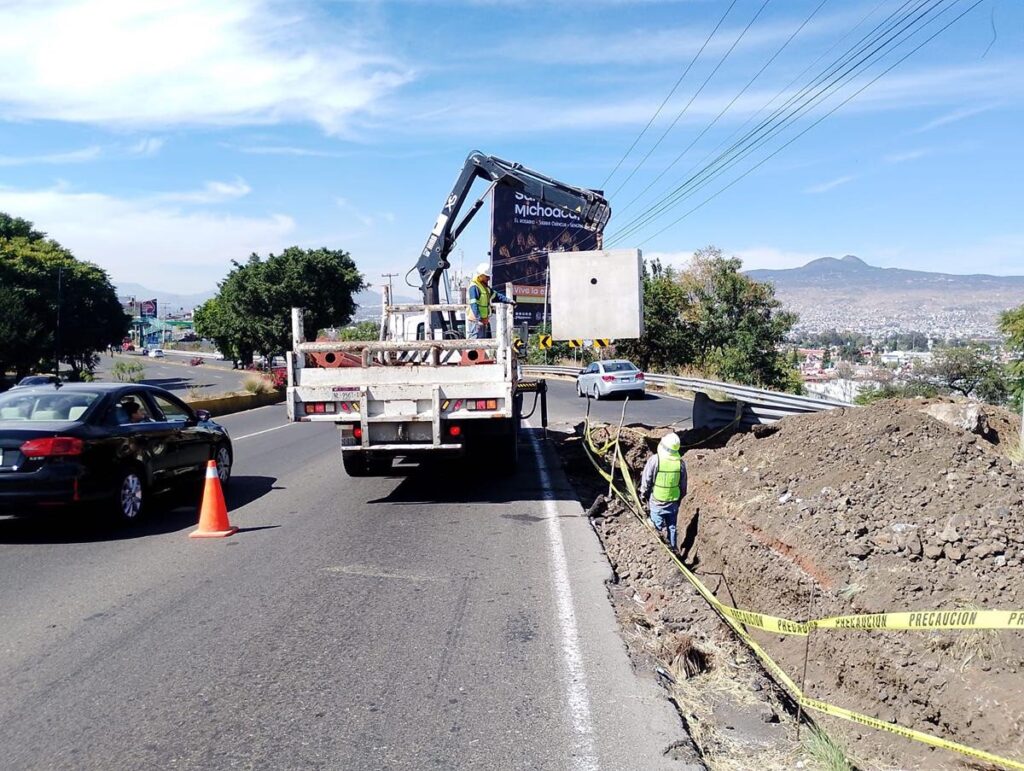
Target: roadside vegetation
{"points": [[53, 307], [251, 313], [128, 371]]}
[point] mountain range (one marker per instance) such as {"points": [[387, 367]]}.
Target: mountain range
{"points": [[369, 300], [848, 293]]}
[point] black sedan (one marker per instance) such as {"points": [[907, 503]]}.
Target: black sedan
{"points": [[111, 443]]}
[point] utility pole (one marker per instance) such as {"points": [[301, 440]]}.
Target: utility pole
{"points": [[56, 337], [391, 289]]}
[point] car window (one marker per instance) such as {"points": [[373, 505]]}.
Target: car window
{"points": [[618, 366], [45, 405], [172, 411], [129, 409]]}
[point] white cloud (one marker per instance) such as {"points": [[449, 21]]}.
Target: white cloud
{"points": [[211, 192], [73, 156], [831, 184], [955, 116], [148, 241], [184, 62], [909, 155], [146, 147], [285, 150]]}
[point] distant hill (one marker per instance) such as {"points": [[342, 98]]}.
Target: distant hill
{"points": [[369, 300], [848, 293]]}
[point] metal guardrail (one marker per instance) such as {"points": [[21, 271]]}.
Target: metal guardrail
{"points": [[759, 405]]}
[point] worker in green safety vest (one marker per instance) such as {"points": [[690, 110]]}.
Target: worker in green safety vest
{"points": [[664, 480], [480, 297]]}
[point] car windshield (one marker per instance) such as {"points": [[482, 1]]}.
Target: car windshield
{"points": [[45, 405], [618, 366]]}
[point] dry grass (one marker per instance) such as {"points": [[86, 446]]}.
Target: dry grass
{"points": [[824, 752], [257, 384], [1015, 452]]}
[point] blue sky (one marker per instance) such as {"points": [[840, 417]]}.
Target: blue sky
{"points": [[163, 139]]}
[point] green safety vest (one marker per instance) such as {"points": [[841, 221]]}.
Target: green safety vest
{"points": [[666, 481], [484, 302]]}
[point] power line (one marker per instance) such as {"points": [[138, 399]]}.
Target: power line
{"points": [[879, 32], [694, 97], [852, 96], [725, 109], [657, 112], [784, 115]]}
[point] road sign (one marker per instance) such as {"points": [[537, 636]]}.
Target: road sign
{"points": [[601, 342], [576, 343], [518, 345], [545, 341]]}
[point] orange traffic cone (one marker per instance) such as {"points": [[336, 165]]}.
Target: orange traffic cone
{"points": [[213, 516]]}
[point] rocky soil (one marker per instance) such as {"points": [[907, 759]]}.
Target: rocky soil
{"points": [[909, 505]]}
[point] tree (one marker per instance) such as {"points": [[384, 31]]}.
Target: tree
{"points": [[1011, 324], [736, 324], [52, 304], [664, 343], [364, 330], [252, 310], [963, 370]]}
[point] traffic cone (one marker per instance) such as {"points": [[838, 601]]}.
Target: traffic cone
{"points": [[213, 516]]}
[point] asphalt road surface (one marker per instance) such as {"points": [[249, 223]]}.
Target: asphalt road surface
{"points": [[175, 374], [441, 617], [565, 409]]}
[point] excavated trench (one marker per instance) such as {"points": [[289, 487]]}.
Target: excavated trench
{"points": [[902, 506]]}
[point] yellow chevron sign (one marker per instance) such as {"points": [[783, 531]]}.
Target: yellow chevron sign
{"points": [[601, 342], [545, 341]]}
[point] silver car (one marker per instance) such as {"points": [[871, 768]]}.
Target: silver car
{"points": [[609, 377]]}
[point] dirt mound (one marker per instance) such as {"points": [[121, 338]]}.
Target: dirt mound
{"points": [[882, 508], [878, 509]]}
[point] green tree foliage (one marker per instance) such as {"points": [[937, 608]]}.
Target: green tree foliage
{"points": [[736, 324], [712, 318], [1011, 324], [252, 311], [968, 371], [664, 343], [364, 330], [31, 268]]}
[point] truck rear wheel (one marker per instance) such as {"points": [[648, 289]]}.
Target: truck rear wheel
{"points": [[509, 449]]}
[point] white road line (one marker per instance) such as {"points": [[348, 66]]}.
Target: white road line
{"points": [[257, 433], [577, 697]]}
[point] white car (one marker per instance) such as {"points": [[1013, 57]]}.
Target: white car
{"points": [[156, 353], [610, 377]]}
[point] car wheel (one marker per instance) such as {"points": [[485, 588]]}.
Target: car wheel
{"points": [[222, 457], [597, 393], [579, 391], [130, 497]]}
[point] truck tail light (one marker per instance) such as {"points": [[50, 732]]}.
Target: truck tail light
{"points": [[320, 408], [52, 447], [608, 378], [357, 432], [482, 404], [454, 431]]}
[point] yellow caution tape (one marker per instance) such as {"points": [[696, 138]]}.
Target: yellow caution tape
{"points": [[926, 620], [738, 620], [908, 733]]}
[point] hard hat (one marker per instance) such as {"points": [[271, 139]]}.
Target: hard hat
{"points": [[483, 269], [670, 441]]}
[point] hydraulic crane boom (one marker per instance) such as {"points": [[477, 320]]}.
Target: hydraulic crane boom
{"points": [[590, 206]]}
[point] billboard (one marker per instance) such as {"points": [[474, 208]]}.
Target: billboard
{"points": [[147, 309], [523, 231]]}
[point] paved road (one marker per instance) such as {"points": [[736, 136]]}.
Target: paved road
{"points": [[176, 375], [566, 409], [431, 619]]}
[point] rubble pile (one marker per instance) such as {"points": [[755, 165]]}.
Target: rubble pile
{"points": [[901, 506]]}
